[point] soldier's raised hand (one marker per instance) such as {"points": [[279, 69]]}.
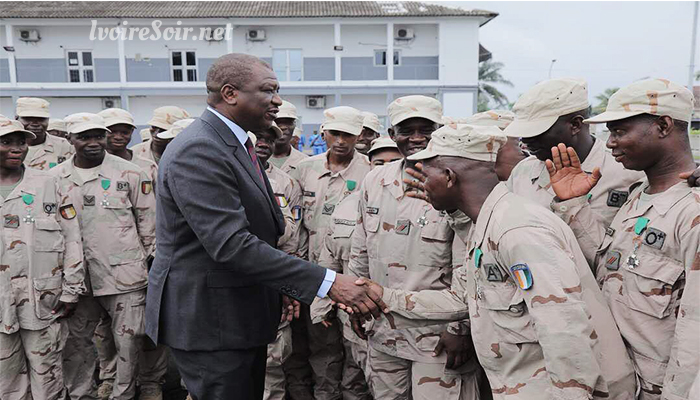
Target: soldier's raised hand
{"points": [[566, 176], [417, 184]]}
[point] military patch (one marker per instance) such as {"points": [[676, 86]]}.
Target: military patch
{"points": [[308, 194], [345, 222], [146, 187], [494, 273], [68, 211], [612, 260], [616, 198], [88, 200], [52, 164], [50, 208], [372, 210], [10, 221], [351, 185], [122, 186], [609, 231], [61, 159], [477, 257], [654, 238], [403, 227], [281, 200], [296, 213], [328, 209], [523, 276]]}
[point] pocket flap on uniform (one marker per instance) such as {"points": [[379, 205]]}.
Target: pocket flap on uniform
{"points": [[47, 224], [436, 231], [343, 231], [501, 299], [658, 267], [51, 282], [47, 236], [117, 202], [126, 257], [371, 222]]}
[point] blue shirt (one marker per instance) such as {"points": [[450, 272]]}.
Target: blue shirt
{"points": [[242, 137]]}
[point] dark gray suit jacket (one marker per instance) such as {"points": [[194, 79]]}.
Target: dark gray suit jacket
{"points": [[216, 280]]}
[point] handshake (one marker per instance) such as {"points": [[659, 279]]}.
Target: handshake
{"points": [[359, 297]]}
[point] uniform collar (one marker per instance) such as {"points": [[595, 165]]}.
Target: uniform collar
{"points": [[26, 185], [356, 158], [662, 202], [104, 171], [487, 208], [596, 158]]}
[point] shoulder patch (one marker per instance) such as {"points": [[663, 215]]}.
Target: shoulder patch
{"points": [[612, 260], [617, 198], [146, 187], [68, 211], [296, 213], [523, 276], [494, 273], [281, 200]]}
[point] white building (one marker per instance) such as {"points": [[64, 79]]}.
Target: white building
{"points": [[324, 53]]}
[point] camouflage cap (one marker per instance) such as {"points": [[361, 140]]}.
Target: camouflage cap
{"points": [[415, 106], [145, 134], [344, 119], [287, 110], [539, 108], [32, 107], [467, 141], [297, 132], [498, 118], [164, 117], [8, 126], [176, 129], [56, 125], [650, 96], [81, 122], [114, 116], [382, 143], [372, 122]]}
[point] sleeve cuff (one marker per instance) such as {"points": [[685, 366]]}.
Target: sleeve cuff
{"points": [[326, 284]]}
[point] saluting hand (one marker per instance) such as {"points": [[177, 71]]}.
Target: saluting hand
{"points": [[566, 176], [417, 183]]}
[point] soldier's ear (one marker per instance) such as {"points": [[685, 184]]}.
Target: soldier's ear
{"points": [[576, 124], [451, 178], [666, 126], [391, 133]]}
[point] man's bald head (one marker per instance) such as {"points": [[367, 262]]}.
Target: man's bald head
{"points": [[234, 69]]}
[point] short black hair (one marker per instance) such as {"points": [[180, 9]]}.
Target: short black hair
{"points": [[234, 69]]}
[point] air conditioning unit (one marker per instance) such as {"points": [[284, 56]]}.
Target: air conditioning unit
{"points": [[255, 35], [29, 35], [108, 102], [315, 101], [403, 34], [214, 34]]}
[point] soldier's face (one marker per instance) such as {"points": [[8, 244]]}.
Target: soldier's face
{"points": [[632, 142], [154, 132], [508, 157], [13, 150], [264, 145], [384, 156], [364, 142], [287, 126], [90, 145], [541, 145], [37, 126], [340, 144], [412, 135], [294, 141], [438, 186], [119, 137]]}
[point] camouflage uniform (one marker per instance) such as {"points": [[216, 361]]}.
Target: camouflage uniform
{"points": [[41, 262], [540, 333], [322, 191], [288, 195], [116, 203], [404, 243], [335, 255], [49, 154], [295, 157], [143, 150]]}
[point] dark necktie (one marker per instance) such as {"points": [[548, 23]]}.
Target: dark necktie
{"points": [[254, 157]]}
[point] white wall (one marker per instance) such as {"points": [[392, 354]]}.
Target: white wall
{"points": [[458, 105], [459, 52], [7, 107], [315, 40], [55, 40]]}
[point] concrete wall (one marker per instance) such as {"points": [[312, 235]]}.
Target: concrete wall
{"points": [[459, 52]]}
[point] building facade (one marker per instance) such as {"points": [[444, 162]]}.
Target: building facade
{"points": [[84, 57]]}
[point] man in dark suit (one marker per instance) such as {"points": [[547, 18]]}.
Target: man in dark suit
{"points": [[214, 287]]}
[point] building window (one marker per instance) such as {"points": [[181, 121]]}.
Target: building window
{"points": [[380, 58], [288, 64], [184, 66], [80, 66]]}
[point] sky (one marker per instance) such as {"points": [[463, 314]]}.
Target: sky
{"points": [[610, 44]]}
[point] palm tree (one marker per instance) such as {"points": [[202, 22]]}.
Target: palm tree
{"points": [[603, 99], [489, 74]]}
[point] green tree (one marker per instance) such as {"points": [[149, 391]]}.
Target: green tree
{"points": [[489, 76], [603, 99]]}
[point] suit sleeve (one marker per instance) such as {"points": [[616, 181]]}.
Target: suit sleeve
{"points": [[684, 363], [205, 186], [555, 304]]}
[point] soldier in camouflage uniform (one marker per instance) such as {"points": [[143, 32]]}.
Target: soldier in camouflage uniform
{"points": [[163, 119], [325, 179], [57, 128], [404, 243], [371, 128], [286, 157], [121, 126], [335, 255], [41, 272], [288, 195], [647, 263], [46, 151], [115, 204], [540, 325]]}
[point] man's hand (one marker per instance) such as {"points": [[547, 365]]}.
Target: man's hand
{"points": [[356, 324], [64, 310], [566, 176], [290, 309], [360, 299], [459, 349], [417, 183], [693, 177]]}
